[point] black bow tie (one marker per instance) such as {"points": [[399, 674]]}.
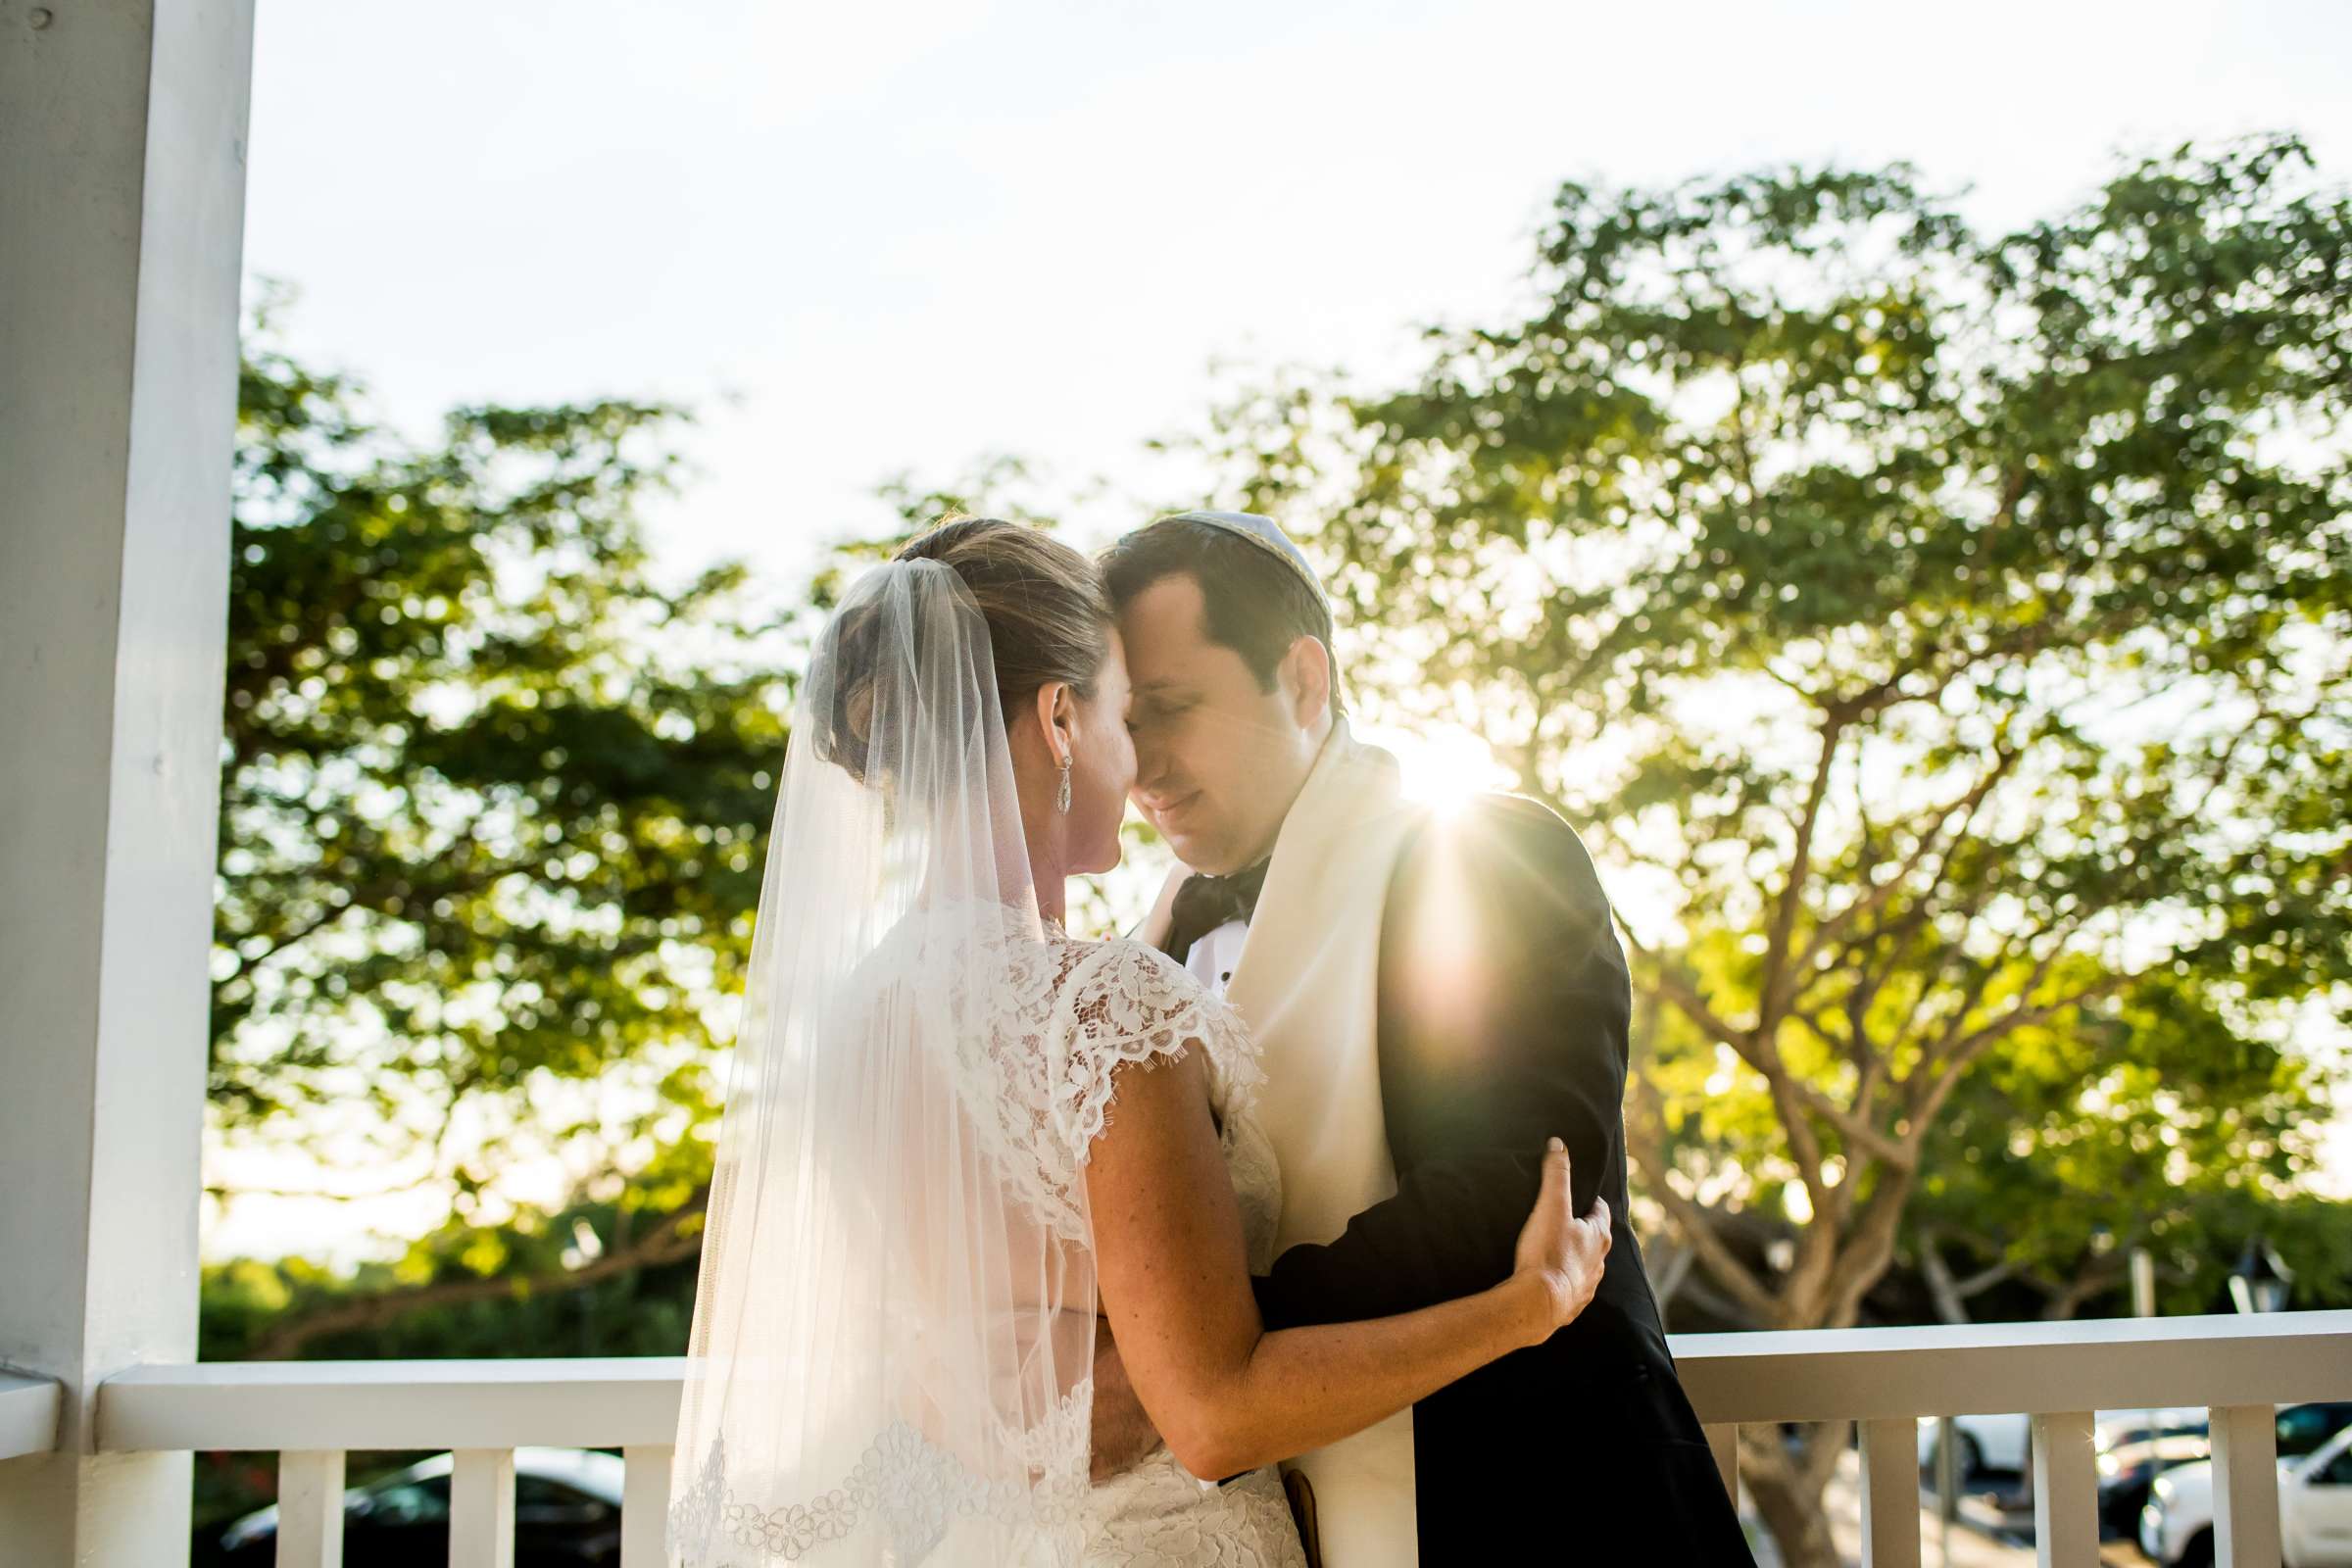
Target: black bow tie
{"points": [[1206, 903]]}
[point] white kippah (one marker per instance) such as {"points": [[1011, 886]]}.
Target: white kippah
{"points": [[1267, 535]]}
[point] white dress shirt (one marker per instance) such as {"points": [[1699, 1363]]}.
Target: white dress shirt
{"points": [[1214, 956]]}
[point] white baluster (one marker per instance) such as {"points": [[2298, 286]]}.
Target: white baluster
{"points": [[2245, 1486], [644, 1505], [482, 1508], [1890, 1494], [2066, 1492], [1725, 1441], [310, 1508]]}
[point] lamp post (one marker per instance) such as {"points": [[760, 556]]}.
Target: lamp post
{"points": [[2261, 1281], [2144, 1305]]}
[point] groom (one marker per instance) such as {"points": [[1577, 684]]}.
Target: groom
{"points": [[1434, 995]]}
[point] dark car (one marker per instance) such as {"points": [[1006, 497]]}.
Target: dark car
{"points": [[2128, 1469], [566, 1515], [2305, 1429]]}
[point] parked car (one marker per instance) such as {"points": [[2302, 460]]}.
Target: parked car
{"points": [[1982, 1443], [2001, 1443], [2315, 1497], [2128, 1469], [2113, 1429], [566, 1515]]}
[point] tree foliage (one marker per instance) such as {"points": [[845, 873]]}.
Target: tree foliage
{"points": [[1944, 635], [494, 798]]}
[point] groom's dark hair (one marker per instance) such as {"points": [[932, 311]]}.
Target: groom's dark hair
{"points": [[1254, 604]]}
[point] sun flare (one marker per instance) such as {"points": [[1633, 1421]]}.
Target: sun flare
{"points": [[1444, 768]]}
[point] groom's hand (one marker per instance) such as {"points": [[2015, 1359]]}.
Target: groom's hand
{"points": [[1123, 1433]]}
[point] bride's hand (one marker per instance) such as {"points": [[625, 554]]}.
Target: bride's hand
{"points": [[1560, 1256]]}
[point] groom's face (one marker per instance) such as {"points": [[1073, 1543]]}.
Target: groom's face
{"points": [[1218, 759]]}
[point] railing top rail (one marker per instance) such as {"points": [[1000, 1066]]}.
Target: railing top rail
{"points": [[28, 1412], [507, 1373], [2109, 1363], [1958, 1369], [588, 1402], [2208, 1328]]}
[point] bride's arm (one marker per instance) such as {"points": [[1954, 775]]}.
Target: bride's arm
{"points": [[1226, 1395]]}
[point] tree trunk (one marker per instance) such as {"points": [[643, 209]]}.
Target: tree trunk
{"points": [[1666, 1277], [1786, 1489]]}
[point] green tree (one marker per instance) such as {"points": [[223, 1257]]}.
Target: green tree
{"points": [[2156, 1130], [494, 807], [1944, 635]]}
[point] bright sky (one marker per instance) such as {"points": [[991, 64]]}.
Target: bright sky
{"points": [[907, 234], [870, 239]]}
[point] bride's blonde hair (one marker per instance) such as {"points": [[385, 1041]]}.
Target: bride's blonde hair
{"points": [[1049, 619]]}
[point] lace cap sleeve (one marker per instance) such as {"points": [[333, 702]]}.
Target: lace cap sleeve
{"points": [[1126, 1003]]}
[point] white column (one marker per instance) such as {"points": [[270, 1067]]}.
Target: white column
{"points": [[310, 1508], [2245, 1486], [122, 204], [1890, 1494], [644, 1503], [1724, 1442], [2066, 1492], [481, 1508]]}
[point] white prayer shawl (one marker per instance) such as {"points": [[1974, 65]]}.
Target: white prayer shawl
{"points": [[1307, 984]]}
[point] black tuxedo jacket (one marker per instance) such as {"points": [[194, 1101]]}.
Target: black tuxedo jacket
{"points": [[1502, 1021]]}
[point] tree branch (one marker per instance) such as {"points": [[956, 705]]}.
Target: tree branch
{"points": [[1676, 988], [1927, 1101], [1646, 1132], [1773, 992], [1858, 1131], [1930, 834], [667, 1243]]}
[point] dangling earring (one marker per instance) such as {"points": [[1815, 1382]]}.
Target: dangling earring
{"points": [[1064, 800]]}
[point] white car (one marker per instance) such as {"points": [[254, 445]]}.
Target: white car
{"points": [[2000, 1441], [1982, 1442], [2315, 1505]]}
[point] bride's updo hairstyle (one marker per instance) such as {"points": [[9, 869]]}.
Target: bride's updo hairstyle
{"points": [[1049, 619]]}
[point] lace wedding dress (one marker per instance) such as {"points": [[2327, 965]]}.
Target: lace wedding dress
{"points": [[1057, 1018]]}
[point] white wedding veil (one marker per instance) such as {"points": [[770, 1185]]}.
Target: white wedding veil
{"points": [[892, 1338]]}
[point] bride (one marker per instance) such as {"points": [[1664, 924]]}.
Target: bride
{"points": [[960, 1145]]}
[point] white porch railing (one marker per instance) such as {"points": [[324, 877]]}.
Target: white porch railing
{"points": [[2058, 1373], [312, 1411], [28, 1414]]}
